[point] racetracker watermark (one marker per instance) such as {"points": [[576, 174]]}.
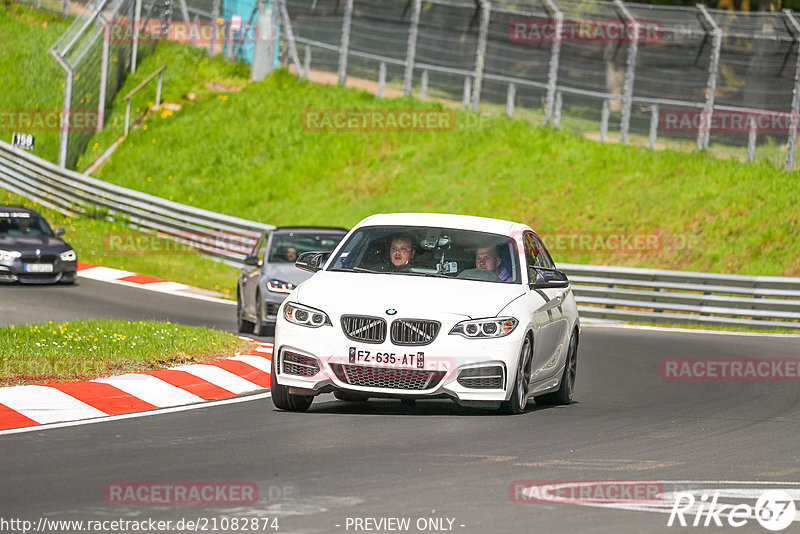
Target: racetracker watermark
{"points": [[181, 493], [725, 121], [730, 369], [584, 491], [48, 120], [379, 120], [584, 31], [134, 243], [618, 242], [202, 32]]}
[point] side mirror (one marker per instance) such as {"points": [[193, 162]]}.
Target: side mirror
{"points": [[312, 261], [251, 261], [549, 278], [59, 231]]}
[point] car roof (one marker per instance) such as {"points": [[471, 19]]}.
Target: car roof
{"points": [[308, 229], [445, 220], [17, 209]]}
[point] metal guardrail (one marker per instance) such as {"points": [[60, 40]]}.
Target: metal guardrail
{"points": [[605, 293], [661, 296], [230, 238]]}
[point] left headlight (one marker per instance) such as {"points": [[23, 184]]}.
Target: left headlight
{"points": [[305, 315], [485, 328], [279, 286], [68, 255], [8, 255]]}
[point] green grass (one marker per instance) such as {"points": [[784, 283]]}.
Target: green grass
{"points": [[31, 78], [247, 154], [82, 350], [92, 240]]}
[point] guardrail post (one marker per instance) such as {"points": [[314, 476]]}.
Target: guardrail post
{"points": [[344, 45], [307, 61], [555, 57], [557, 111], [423, 85], [480, 52], [711, 85], [127, 117], [411, 49], [381, 79], [630, 71], [158, 89], [751, 139], [101, 93], [792, 142], [467, 91], [653, 125], [510, 94], [604, 115]]}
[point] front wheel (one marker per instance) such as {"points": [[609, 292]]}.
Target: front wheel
{"points": [[519, 396], [282, 399], [567, 388], [243, 326]]}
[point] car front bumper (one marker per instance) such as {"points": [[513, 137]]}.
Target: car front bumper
{"points": [[16, 271]]}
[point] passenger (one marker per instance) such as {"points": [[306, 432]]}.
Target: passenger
{"points": [[488, 258], [401, 252]]}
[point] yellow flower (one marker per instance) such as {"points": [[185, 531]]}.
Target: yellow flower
{"points": [[222, 97]]}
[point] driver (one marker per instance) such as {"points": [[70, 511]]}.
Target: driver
{"points": [[489, 258], [401, 252], [291, 254]]}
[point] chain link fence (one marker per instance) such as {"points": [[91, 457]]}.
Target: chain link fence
{"points": [[721, 80]]}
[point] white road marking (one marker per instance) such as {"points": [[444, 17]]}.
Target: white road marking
{"points": [[258, 362], [151, 390], [685, 330], [219, 377], [46, 405]]}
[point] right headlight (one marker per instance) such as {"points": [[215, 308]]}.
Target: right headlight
{"points": [[305, 315], [8, 255], [485, 328]]}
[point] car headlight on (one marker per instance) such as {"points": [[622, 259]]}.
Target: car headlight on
{"points": [[8, 255], [68, 255], [305, 315], [279, 286], [485, 328]]}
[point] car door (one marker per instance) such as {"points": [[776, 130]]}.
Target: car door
{"points": [[551, 325], [252, 274]]}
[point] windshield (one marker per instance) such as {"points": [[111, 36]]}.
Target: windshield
{"points": [[23, 224], [286, 247], [444, 252]]}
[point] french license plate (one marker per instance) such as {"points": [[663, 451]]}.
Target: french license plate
{"points": [[38, 267], [406, 359]]}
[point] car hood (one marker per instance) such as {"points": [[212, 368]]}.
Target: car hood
{"points": [[47, 245], [286, 272], [412, 296]]}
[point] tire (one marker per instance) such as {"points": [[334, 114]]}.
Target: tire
{"points": [[350, 397], [243, 326], [519, 396], [282, 399], [259, 327], [563, 395]]}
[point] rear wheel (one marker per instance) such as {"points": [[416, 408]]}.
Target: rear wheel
{"points": [[243, 326], [519, 396], [282, 399], [565, 391]]}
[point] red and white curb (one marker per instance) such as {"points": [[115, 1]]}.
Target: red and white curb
{"points": [[23, 406], [150, 283]]}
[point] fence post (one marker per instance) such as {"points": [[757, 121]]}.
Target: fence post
{"points": [[423, 83], [711, 84], [792, 144], [512, 92], [101, 94], [344, 45], [63, 133], [467, 91], [557, 111], [188, 21], [158, 89], [555, 56], [307, 61], [65, 11], [630, 71], [137, 21], [212, 45], [381, 79], [480, 52], [604, 115], [751, 139], [653, 125], [411, 49], [287, 26]]}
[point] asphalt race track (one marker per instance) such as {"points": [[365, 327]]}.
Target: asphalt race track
{"points": [[341, 462]]}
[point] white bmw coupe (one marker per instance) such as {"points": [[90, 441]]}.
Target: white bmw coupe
{"points": [[415, 305]]}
